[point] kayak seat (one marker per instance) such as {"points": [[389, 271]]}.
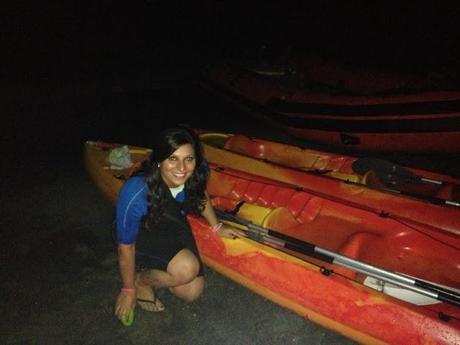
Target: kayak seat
{"points": [[310, 210], [354, 244], [353, 247], [282, 219], [272, 196], [302, 206]]}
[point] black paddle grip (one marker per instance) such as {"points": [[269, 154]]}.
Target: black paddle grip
{"points": [[309, 250], [442, 296]]}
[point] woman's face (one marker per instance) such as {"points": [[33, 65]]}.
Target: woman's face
{"points": [[177, 168]]}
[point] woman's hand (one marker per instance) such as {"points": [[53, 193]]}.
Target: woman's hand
{"points": [[230, 232], [126, 301]]}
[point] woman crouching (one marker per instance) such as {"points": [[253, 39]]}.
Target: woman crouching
{"points": [[156, 248]]}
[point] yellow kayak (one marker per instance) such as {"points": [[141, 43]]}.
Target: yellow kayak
{"points": [[286, 226]]}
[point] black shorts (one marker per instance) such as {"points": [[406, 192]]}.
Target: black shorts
{"points": [[164, 242]]}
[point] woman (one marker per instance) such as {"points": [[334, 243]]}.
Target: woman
{"points": [[156, 248]]}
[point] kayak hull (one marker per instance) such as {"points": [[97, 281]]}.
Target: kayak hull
{"points": [[333, 302]]}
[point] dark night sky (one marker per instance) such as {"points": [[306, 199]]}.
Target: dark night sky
{"points": [[53, 54], [104, 37]]}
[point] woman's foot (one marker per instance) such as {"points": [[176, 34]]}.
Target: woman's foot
{"points": [[147, 298]]}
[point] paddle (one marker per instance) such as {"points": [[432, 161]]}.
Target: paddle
{"points": [[265, 235], [389, 172], [432, 199]]}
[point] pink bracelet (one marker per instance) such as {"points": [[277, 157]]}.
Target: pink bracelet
{"points": [[128, 289], [216, 227]]}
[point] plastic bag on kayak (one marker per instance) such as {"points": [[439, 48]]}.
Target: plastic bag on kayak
{"points": [[120, 158]]}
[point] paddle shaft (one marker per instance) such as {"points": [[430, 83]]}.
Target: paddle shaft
{"points": [[371, 271], [429, 180], [262, 234], [431, 199]]}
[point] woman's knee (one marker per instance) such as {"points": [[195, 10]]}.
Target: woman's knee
{"points": [[191, 291], [184, 267]]}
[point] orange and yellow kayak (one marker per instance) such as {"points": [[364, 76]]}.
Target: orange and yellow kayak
{"points": [[352, 302], [432, 199]]}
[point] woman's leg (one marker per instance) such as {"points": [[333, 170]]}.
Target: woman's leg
{"points": [[190, 291], [144, 292], [181, 276]]}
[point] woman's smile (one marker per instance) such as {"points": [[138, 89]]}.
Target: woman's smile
{"points": [[177, 168]]}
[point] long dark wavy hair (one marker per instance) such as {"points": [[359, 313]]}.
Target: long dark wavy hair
{"points": [[165, 144]]}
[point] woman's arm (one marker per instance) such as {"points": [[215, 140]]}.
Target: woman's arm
{"points": [[126, 264], [208, 212], [224, 230], [127, 298], [131, 207]]}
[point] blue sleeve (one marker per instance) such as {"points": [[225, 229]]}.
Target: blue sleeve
{"points": [[131, 208]]}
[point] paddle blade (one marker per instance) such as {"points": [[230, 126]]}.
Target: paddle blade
{"points": [[388, 172]]}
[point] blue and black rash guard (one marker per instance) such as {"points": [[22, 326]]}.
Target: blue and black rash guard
{"points": [[132, 207], [154, 249]]}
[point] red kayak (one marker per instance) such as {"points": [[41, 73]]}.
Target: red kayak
{"points": [[418, 122]]}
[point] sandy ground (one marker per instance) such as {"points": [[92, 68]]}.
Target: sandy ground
{"points": [[59, 272]]}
